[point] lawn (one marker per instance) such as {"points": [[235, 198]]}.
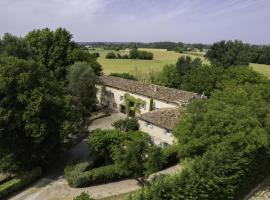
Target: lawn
{"points": [[140, 68]]}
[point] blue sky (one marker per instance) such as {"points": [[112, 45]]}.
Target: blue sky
{"points": [[204, 21]]}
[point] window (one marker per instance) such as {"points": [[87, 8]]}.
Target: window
{"points": [[121, 98], [114, 105], [112, 95]]}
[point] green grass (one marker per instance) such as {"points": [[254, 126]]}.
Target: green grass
{"points": [[142, 68], [261, 68], [161, 58]]}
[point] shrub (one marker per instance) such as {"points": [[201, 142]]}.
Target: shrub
{"points": [[102, 144], [128, 124], [170, 154], [72, 172], [83, 196], [77, 178], [19, 182], [111, 55]]}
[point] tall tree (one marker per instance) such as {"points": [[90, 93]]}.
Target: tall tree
{"points": [[11, 45], [229, 53], [82, 82], [33, 110]]}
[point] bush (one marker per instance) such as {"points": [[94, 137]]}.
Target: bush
{"points": [[73, 171], [102, 144], [111, 55], [170, 154], [77, 178], [83, 196], [19, 182], [128, 124]]}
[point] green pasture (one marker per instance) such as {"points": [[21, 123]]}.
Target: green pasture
{"points": [[141, 68], [161, 58]]}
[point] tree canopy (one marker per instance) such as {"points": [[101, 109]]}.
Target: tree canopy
{"points": [[34, 113]]}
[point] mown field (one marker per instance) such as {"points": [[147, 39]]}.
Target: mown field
{"points": [[161, 57], [261, 68]]}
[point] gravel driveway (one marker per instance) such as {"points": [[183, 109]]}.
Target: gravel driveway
{"points": [[56, 187]]}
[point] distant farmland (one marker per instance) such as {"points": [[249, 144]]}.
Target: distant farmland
{"points": [[261, 68], [161, 57]]}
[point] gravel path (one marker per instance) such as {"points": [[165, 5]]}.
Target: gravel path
{"points": [[58, 189], [263, 192]]}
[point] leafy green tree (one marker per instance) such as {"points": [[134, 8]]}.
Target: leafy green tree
{"points": [[202, 79], [111, 55], [155, 160], [133, 54], [131, 158], [82, 82], [34, 113], [55, 49], [11, 45], [169, 77], [79, 55], [229, 53], [186, 64]]}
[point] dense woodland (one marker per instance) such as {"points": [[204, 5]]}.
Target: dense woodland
{"points": [[47, 92]]}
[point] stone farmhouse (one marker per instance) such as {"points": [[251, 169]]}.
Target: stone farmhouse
{"points": [[160, 110]]}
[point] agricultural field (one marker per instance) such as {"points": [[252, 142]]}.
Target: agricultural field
{"points": [[142, 68], [261, 68], [161, 58]]}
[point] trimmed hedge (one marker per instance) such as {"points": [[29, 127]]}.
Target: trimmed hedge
{"points": [[78, 177], [19, 182]]}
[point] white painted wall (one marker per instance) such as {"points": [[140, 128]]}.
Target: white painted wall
{"points": [[116, 99], [157, 134]]}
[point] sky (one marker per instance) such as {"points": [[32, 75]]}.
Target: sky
{"points": [[190, 21]]}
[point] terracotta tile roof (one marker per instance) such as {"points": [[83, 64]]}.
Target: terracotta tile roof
{"points": [[163, 117], [150, 90]]}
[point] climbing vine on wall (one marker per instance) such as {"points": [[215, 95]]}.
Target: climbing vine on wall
{"points": [[132, 104]]}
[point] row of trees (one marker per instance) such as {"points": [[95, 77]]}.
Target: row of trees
{"points": [[170, 46], [133, 54], [44, 96]]}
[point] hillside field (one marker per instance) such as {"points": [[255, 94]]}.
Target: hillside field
{"points": [[161, 57]]}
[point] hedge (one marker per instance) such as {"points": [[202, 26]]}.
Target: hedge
{"points": [[19, 182], [77, 176]]}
